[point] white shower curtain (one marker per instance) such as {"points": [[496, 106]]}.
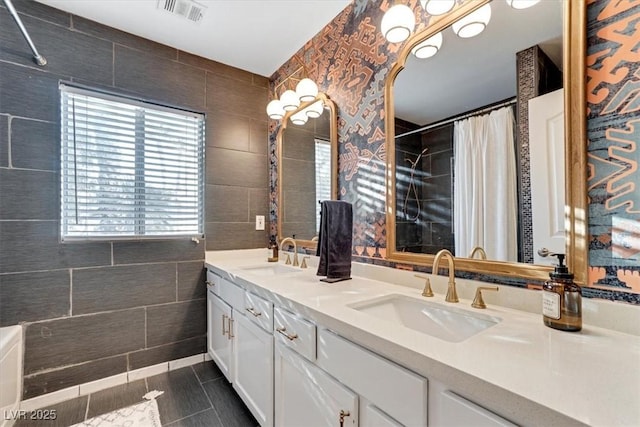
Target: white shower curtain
{"points": [[485, 192]]}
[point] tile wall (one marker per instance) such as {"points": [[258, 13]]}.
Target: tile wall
{"points": [[97, 309]]}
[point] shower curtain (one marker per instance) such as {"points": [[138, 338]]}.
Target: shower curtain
{"points": [[485, 192]]}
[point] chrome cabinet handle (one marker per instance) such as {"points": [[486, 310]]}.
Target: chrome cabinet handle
{"points": [[209, 283], [343, 414], [253, 311], [283, 331]]}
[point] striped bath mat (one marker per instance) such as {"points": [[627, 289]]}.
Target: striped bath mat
{"points": [[143, 414]]}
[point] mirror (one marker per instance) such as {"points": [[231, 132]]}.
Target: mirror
{"points": [[422, 192], [307, 172]]}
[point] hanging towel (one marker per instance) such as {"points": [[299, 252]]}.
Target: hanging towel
{"points": [[334, 240]]}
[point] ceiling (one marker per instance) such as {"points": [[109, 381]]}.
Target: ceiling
{"points": [[261, 35], [467, 74], [254, 35]]}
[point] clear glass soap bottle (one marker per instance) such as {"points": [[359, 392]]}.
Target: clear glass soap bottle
{"points": [[562, 299]]}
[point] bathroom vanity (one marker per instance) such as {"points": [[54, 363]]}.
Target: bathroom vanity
{"points": [[302, 352]]}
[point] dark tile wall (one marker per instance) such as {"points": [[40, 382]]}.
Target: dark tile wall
{"points": [[299, 181], [424, 206], [97, 309], [536, 75]]}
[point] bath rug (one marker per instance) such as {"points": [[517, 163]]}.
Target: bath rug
{"points": [[143, 414]]}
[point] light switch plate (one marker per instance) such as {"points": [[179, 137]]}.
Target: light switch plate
{"points": [[259, 222]]}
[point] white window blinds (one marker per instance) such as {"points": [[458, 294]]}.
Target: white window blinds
{"points": [[129, 169], [323, 175]]}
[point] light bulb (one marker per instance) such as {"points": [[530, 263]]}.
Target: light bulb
{"points": [[299, 118], [398, 23], [474, 23], [275, 110], [437, 7], [307, 90], [315, 110], [429, 47], [290, 100], [521, 4]]}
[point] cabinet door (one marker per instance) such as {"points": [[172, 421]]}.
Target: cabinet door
{"points": [[370, 416], [307, 396], [253, 373], [219, 341]]}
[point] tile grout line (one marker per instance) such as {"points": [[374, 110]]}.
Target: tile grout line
{"points": [[9, 157], [215, 411], [71, 292], [86, 411], [174, 422]]}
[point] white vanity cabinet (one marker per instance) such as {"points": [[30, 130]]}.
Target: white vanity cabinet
{"points": [[253, 373], [242, 346], [387, 387], [219, 344], [307, 396]]}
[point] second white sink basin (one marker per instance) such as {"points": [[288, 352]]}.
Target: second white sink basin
{"points": [[270, 269], [434, 319]]}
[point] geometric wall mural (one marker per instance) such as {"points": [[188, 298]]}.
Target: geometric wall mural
{"points": [[350, 60], [613, 98]]}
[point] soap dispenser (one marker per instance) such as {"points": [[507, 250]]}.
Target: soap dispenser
{"points": [[273, 245], [562, 299]]}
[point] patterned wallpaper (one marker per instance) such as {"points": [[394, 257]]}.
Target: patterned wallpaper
{"points": [[613, 98], [349, 59]]}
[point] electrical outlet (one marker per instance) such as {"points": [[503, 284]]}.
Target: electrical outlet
{"points": [[259, 222]]}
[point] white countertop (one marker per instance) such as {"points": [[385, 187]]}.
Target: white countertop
{"points": [[592, 376]]}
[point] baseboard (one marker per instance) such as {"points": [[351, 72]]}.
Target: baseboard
{"points": [[58, 396]]}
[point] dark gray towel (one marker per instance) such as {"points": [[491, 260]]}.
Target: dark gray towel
{"points": [[334, 240]]}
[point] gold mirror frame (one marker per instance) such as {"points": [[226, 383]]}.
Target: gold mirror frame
{"points": [[333, 136], [576, 208]]}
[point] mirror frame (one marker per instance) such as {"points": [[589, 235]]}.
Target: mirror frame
{"points": [[333, 136], [576, 206]]}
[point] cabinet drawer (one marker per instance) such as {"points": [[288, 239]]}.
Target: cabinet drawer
{"points": [[460, 411], [213, 282], [364, 371], [232, 294], [259, 311], [295, 332]]}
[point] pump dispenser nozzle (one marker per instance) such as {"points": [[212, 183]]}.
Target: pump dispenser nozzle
{"points": [[560, 271]]}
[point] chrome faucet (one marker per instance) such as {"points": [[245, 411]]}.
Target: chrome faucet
{"points": [[452, 295], [478, 250], [295, 249]]}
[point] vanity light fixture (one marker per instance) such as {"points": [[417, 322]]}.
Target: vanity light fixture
{"points": [[438, 7], [474, 23], [306, 90], [429, 47], [521, 4], [398, 23]]}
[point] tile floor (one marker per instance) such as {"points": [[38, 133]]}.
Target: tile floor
{"points": [[195, 396]]}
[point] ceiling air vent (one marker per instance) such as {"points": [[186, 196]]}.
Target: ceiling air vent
{"points": [[187, 9]]}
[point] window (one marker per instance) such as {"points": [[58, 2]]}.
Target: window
{"points": [[323, 175], [129, 169]]}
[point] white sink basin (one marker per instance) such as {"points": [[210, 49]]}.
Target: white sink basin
{"points": [[444, 322], [270, 269]]}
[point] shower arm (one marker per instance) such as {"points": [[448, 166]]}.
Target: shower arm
{"points": [[40, 60]]}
